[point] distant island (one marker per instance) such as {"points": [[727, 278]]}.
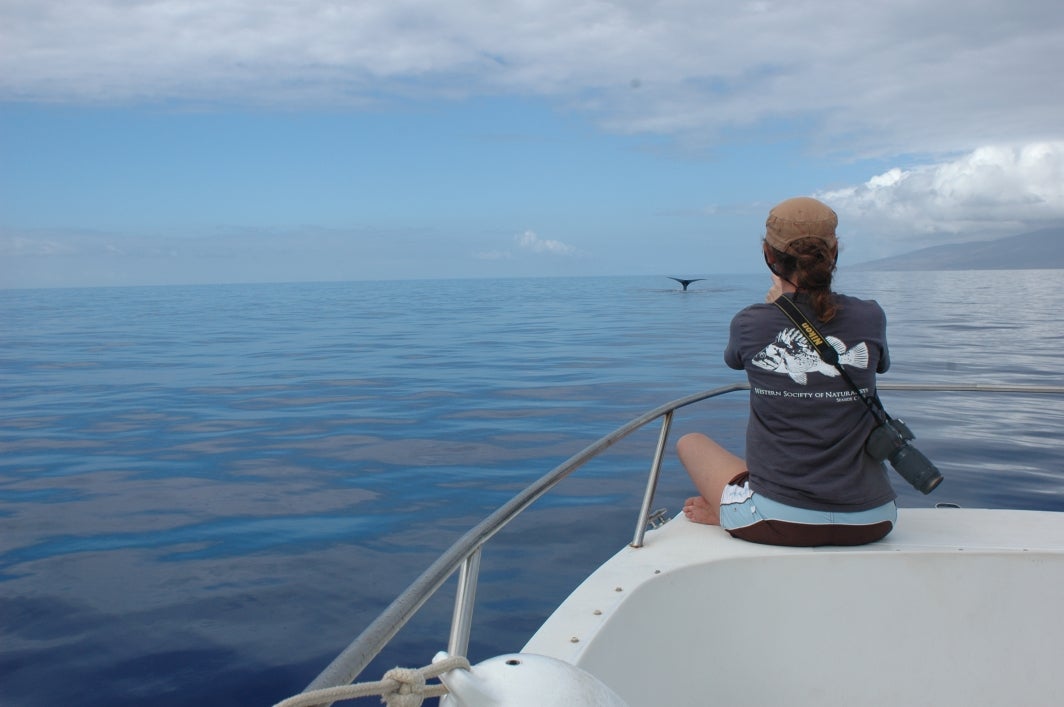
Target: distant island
{"points": [[1036, 250]]}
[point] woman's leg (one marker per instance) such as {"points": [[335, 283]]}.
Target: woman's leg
{"points": [[710, 467]]}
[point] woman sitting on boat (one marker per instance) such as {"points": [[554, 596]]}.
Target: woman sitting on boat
{"points": [[806, 479]]}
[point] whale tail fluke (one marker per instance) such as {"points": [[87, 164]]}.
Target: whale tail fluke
{"points": [[685, 282]]}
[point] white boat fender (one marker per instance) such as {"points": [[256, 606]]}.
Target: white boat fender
{"points": [[524, 680]]}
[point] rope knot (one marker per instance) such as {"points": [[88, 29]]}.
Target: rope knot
{"points": [[410, 691], [400, 687]]}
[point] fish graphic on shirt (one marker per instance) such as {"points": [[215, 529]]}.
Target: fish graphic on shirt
{"points": [[791, 353]]}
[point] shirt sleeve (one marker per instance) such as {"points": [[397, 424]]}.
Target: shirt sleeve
{"points": [[884, 358], [733, 354]]}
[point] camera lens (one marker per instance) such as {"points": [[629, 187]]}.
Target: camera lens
{"points": [[915, 468]]}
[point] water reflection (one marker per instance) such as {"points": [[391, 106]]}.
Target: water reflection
{"points": [[225, 484]]}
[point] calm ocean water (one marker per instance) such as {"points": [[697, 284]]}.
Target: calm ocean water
{"points": [[207, 492]]}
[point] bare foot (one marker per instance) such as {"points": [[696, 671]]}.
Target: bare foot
{"points": [[698, 510]]}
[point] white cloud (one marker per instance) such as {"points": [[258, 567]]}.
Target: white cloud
{"points": [[882, 78], [17, 246], [992, 191], [531, 242], [56, 257], [48, 243], [527, 242]]}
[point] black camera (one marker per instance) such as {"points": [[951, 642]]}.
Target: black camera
{"points": [[890, 441]]}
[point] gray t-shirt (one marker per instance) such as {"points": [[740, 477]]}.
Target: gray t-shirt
{"points": [[807, 428]]}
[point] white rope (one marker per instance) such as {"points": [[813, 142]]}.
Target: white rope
{"points": [[400, 687]]}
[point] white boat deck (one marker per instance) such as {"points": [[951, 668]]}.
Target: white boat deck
{"points": [[955, 607]]}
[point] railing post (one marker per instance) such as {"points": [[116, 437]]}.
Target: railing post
{"points": [[652, 482], [464, 599]]}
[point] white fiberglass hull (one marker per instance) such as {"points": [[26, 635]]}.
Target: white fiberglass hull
{"points": [[955, 607]]}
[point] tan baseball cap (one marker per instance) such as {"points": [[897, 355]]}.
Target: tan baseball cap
{"points": [[797, 218]]}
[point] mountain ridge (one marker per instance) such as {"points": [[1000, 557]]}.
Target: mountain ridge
{"points": [[1042, 249]]}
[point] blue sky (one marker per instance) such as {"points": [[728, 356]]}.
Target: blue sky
{"points": [[186, 141]]}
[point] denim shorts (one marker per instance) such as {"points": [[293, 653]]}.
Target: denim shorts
{"points": [[750, 516]]}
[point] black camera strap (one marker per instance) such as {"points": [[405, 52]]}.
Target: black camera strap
{"points": [[890, 438], [828, 354]]}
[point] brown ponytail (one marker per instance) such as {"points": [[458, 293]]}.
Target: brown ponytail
{"points": [[809, 264]]}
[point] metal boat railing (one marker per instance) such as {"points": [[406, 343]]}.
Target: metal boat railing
{"points": [[464, 555]]}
